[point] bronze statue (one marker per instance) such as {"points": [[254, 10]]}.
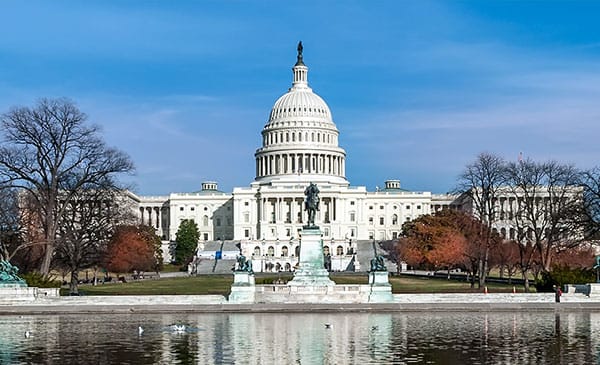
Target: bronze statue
{"points": [[300, 62], [377, 264], [243, 264], [9, 272], [311, 204]]}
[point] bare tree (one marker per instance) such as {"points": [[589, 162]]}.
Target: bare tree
{"points": [[51, 153], [86, 227], [480, 184], [547, 199], [10, 223], [590, 182]]}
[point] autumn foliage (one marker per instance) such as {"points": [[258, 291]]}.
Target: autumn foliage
{"points": [[445, 240], [133, 248]]}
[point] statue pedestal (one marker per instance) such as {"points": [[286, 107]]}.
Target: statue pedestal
{"points": [[311, 270], [378, 278], [243, 289], [243, 278], [381, 289]]}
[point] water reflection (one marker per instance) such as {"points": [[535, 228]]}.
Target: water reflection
{"points": [[303, 338]]}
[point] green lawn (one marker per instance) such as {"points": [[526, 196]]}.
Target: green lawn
{"points": [[221, 284]]}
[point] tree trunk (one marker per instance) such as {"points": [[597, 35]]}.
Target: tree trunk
{"points": [[483, 267], [49, 236], [48, 251], [526, 278], [74, 281]]}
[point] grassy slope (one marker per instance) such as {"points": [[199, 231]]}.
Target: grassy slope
{"points": [[221, 284]]}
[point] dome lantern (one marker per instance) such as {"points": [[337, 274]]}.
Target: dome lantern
{"points": [[300, 139], [300, 71]]}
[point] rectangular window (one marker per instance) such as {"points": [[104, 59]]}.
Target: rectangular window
{"points": [[381, 220], [246, 233], [352, 232], [352, 217]]}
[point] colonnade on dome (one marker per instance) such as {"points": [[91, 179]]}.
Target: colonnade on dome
{"points": [[300, 163]]}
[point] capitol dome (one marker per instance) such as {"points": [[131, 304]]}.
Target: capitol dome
{"points": [[300, 139]]}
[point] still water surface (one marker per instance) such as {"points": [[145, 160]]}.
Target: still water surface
{"points": [[314, 338]]}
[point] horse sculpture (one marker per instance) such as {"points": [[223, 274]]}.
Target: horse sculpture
{"points": [[8, 272], [377, 264], [243, 264], [311, 204]]}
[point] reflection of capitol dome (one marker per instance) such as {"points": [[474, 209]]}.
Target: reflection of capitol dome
{"points": [[300, 140]]}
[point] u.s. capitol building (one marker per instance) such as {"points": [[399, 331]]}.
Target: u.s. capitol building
{"points": [[299, 146]]}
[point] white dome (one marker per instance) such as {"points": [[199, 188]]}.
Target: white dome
{"points": [[300, 139], [300, 103]]}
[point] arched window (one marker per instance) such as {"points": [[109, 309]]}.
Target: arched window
{"points": [[288, 267], [395, 219], [257, 251], [503, 233], [284, 251], [340, 250], [205, 221], [325, 250], [271, 251]]}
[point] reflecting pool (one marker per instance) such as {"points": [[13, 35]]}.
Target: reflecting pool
{"points": [[303, 338]]}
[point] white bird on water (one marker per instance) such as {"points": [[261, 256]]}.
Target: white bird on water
{"points": [[140, 330], [178, 328], [27, 334]]}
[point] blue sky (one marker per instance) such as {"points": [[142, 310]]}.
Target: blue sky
{"points": [[416, 88]]}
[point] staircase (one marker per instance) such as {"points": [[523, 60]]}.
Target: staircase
{"points": [[364, 254]]}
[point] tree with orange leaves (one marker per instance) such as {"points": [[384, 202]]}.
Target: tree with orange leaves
{"points": [[430, 242], [133, 248]]}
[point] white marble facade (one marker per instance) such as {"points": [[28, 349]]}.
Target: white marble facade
{"points": [[300, 145]]}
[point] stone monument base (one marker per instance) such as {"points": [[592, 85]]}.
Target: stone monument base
{"points": [[378, 278], [381, 289], [17, 293], [243, 289], [311, 271]]}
